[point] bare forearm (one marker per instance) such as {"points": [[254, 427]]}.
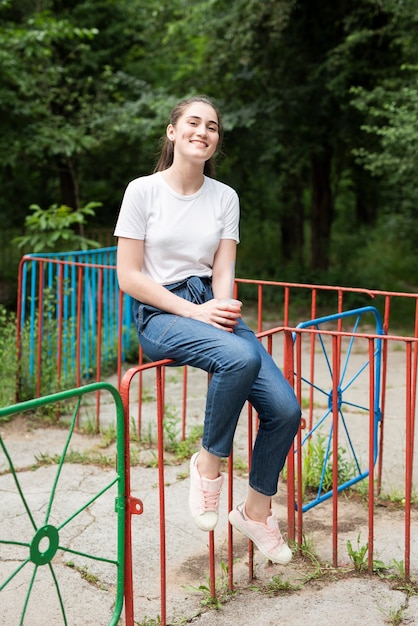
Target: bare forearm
{"points": [[148, 291]]}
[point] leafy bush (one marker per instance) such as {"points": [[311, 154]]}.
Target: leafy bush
{"points": [[8, 357], [52, 229]]}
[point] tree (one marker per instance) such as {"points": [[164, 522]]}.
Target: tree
{"points": [[87, 85], [63, 96], [283, 70]]}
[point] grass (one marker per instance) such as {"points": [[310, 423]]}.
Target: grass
{"points": [[86, 575], [222, 592]]}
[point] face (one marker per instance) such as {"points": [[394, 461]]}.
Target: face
{"points": [[196, 133]]}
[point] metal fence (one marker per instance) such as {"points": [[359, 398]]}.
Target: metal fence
{"points": [[51, 535], [327, 339], [347, 360], [74, 324]]}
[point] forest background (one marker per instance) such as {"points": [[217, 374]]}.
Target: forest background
{"points": [[320, 105]]}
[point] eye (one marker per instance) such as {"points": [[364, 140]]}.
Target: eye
{"points": [[213, 128]]}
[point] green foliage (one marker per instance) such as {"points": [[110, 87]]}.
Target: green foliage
{"points": [[279, 587], [317, 465], [221, 590], [358, 556], [8, 357], [181, 448], [320, 119], [51, 229]]}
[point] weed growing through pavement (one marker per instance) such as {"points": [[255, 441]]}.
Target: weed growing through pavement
{"points": [[317, 465], [279, 587], [358, 556], [147, 621], [180, 448], [308, 553], [222, 592], [89, 577], [393, 616]]}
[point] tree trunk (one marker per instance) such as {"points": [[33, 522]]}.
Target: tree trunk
{"points": [[291, 225], [68, 184], [322, 209]]}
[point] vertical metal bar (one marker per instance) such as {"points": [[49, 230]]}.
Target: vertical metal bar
{"points": [[212, 577], [260, 308], [286, 306], [161, 486], [32, 318], [371, 456], [340, 300], [250, 444], [40, 328], [386, 320], [100, 338], [120, 341], [336, 347], [184, 404], [20, 320], [408, 460], [291, 499], [312, 340], [299, 457], [414, 378], [230, 543], [60, 293], [79, 315], [73, 318], [86, 321], [129, 596]]}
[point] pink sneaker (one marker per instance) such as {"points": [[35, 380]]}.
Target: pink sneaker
{"points": [[204, 497], [266, 537]]}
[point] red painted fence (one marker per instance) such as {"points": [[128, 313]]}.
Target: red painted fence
{"points": [[354, 373]]}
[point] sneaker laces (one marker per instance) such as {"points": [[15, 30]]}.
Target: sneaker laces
{"points": [[274, 534], [210, 499]]}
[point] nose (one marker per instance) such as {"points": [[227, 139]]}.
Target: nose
{"points": [[202, 130]]}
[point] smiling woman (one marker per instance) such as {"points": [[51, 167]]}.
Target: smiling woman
{"points": [[178, 230], [215, 124]]}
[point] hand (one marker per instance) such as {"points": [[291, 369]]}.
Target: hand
{"points": [[222, 314]]}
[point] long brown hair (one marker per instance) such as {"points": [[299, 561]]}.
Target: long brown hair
{"points": [[167, 151]]}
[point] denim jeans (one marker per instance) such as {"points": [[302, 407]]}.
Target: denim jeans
{"points": [[241, 369]]}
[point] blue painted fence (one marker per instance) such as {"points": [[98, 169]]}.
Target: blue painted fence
{"points": [[70, 306]]}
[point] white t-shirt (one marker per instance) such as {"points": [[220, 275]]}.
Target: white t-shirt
{"points": [[181, 233]]}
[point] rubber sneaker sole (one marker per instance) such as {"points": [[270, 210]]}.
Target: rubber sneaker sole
{"points": [[252, 530]]}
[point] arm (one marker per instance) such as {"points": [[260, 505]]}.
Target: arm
{"points": [[133, 282], [223, 271]]}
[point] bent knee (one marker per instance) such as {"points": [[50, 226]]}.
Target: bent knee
{"points": [[250, 360], [294, 414]]}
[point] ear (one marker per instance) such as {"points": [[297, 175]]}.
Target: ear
{"points": [[170, 132]]}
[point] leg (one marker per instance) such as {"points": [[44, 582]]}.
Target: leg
{"points": [[279, 418], [232, 361], [233, 364]]}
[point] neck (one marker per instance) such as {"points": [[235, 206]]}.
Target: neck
{"points": [[185, 180]]}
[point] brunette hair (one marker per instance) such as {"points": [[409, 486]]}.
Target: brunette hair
{"points": [[167, 151]]}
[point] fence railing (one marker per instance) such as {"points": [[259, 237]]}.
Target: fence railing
{"points": [[359, 421], [74, 324], [308, 320], [55, 529]]}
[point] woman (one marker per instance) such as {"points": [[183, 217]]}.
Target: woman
{"points": [[178, 231]]}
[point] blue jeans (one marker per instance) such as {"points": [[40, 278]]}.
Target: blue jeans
{"points": [[241, 369]]}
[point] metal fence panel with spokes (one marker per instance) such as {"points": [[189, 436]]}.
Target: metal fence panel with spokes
{"points": [[351, 407], [59, 558]]}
